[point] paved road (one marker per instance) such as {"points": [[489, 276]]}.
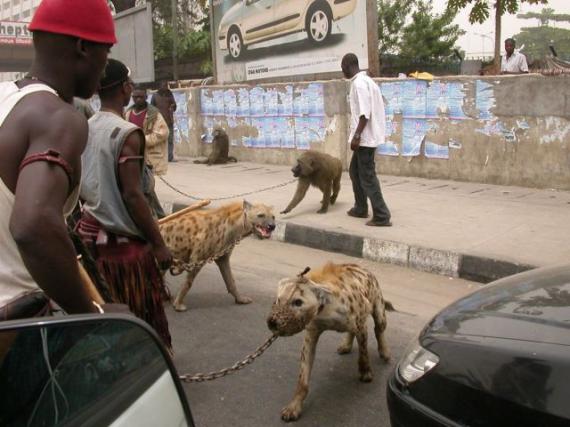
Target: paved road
{"points": [[214, 333]]}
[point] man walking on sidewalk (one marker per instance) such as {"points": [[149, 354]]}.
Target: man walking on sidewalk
{"points": [[367, 128]]}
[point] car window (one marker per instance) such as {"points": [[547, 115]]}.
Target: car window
{"points": [[75, 374]]}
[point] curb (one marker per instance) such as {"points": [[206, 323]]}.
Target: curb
{"points": [[430, 260]]}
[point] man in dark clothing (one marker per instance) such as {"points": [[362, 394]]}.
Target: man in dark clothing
{"points": [[164, 100]]}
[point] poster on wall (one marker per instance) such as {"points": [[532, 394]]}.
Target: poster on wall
{"points": [[259, 39]]}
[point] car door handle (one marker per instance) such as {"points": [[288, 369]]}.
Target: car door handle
{"points": [[268, 7]]}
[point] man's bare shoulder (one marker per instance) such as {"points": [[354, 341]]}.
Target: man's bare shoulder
{"points": [[44, 110], [52, 124]]}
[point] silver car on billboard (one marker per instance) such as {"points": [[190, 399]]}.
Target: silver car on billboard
{"points": [[254, 21]]}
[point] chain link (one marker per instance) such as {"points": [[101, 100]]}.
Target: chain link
{"points": [[190, 196], [198, 378]]}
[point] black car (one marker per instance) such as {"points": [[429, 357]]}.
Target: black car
{"points": [[497, 357]]}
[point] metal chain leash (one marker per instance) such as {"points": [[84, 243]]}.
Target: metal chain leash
{"points": [[190, 196], [198, 378]]}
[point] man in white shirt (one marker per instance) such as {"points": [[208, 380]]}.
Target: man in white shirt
{"points": [[513, 62], [367, 129]]}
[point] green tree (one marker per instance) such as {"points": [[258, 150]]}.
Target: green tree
{"points": [[392, 16], [429, 36], [480, 12], [193, 32], [537, 39], [546, 15]]}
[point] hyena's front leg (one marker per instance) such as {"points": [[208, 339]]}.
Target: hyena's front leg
{"points": [[293, 410], [223, 264], [179, 300]]}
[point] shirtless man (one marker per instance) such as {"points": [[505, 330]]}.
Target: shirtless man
{"points": [[41, 138]]}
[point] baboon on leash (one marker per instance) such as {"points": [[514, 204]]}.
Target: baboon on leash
{"points": [[319, 170], [220, 150]]}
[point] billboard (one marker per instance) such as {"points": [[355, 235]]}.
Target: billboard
{"points": [[260, 39], [12, 32]]}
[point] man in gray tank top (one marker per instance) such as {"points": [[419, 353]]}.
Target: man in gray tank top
{"points": [[117, 225]]}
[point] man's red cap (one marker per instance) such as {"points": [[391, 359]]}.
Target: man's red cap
{"points": [[86, 19]]}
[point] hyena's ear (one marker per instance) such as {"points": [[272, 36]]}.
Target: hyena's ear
{"points": [[305, 271], [246, 205]]}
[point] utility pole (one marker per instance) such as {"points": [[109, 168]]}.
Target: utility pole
{"points": [[174, 41]]}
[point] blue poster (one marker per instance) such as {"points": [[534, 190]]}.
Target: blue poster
{"points": [[230, 103], [300, 102], [218, 102], [315, 99], [271, 100], [435, 151], [413, 134], [302, 139], [257, 102], [456, 97], [484, 99], [285, 106], [392, 96], [414, 94], [437, 97], [206, 102], [181, 99], [389, 148], [287, 132], [208, 134], [243, 102]]}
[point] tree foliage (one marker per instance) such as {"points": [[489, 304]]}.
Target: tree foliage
{"points": [[392, 16], [480, 12], [193, 29], [481, 9], [429, 36], [546, 15], [536, 40], [411, 29]]}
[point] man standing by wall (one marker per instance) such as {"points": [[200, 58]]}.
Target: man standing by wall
{"points": [[117, 225], [155, 129], [513, 62], [164, 100], [367, 129], [41, 139]]}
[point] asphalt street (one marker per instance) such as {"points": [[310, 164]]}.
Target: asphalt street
{"points": [[214, 333]]}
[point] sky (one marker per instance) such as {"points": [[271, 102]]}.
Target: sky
{"points": [[473, 43]]}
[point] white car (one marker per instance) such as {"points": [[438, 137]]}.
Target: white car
{"points": [[253, 21]]}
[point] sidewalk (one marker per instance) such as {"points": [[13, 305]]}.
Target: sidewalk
{"points": [[475, 231]]}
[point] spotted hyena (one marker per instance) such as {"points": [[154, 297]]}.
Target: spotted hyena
{"points": [[337, 297], [199, 235]]}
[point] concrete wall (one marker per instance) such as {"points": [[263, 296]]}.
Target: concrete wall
{"points": [[512, 130]]}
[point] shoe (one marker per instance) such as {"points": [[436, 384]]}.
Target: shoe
{"points": [[376, 223], [355, 214]]}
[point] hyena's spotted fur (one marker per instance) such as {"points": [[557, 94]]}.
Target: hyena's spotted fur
{"points": [[337, 297], [202, 234]]}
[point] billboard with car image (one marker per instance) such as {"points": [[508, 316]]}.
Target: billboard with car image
{"points": [[262, 39]]}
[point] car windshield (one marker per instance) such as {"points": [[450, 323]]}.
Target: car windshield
{"points": [[58, 374]]}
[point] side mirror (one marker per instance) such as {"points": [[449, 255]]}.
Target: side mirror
{"points": [[88, 370]]}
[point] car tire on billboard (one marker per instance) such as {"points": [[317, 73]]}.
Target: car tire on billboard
{"points": [[318, 23]]}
